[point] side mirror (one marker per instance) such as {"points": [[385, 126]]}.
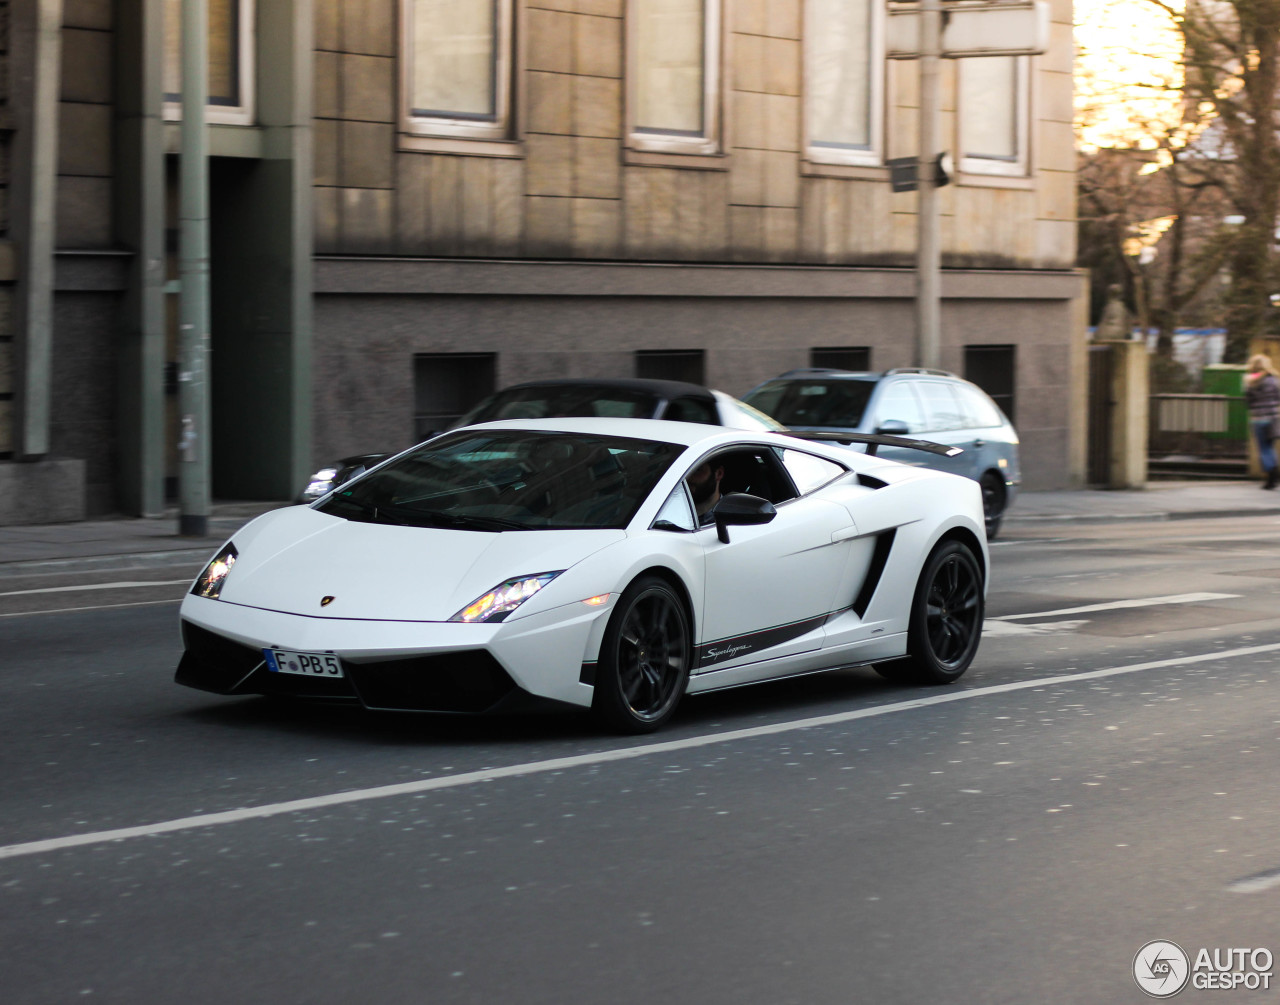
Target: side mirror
{"points": [[893, 427], [738, 508]]}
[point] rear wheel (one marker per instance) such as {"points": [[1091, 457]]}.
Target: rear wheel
{"points": [[993, 502], [644, 659], [946, 618]]}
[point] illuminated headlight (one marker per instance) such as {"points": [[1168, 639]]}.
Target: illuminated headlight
{"points": [[209, 583], [320, 483], [502, 600]]}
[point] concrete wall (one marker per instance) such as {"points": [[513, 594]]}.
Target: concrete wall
{"points": [[547, 320]]}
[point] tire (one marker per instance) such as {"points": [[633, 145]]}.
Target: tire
{"points": [[993, 502], [644, 659], [946, 618]]}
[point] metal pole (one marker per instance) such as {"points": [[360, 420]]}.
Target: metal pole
{"points": [[928, 248], [193, 272]]}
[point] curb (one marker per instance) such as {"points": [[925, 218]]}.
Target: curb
{"points": [[94, 563], [1158, 515]]}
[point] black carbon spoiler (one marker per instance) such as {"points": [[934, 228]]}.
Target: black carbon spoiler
{"points": [[874, 441]]}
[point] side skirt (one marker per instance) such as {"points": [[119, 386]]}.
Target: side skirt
{"points": [[882, 647]]}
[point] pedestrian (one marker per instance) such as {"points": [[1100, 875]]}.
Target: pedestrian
{"points": [[1262, 396]]}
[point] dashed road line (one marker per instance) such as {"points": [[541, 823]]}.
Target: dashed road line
{"points": [[600, 757]]}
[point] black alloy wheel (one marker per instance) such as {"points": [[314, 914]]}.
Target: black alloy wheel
{"points": [[946, 619], [644, 659], [993, 496]]}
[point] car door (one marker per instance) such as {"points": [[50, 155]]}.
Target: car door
{"points": [[769, 591]]}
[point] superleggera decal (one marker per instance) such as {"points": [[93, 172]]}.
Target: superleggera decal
{"points": [[743, 645]]}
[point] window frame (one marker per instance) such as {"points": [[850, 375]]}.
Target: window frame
{"points": [[244, 113], [828, 153], [711, 140], [1019, 166], [460, 127]]}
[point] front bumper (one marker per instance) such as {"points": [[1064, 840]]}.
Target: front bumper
{"points": [[391, 665]]}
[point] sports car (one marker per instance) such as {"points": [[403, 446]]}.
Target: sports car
{"points": [[612, 564]]}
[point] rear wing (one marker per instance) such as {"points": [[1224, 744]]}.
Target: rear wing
{"points": [[874, 441]]}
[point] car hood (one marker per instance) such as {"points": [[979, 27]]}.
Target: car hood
{"points": [[290, 559]]}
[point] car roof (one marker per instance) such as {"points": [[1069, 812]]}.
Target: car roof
{"points": [[644, 385], [899, 371], [662, 430]]}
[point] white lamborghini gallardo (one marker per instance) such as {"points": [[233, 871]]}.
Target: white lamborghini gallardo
{"points": [[615, 564]]}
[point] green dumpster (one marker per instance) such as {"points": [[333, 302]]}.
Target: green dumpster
{"points": [[1228, 379]]}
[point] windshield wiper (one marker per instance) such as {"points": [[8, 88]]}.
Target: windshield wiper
{"points": [[369, 513], [462, 521]]}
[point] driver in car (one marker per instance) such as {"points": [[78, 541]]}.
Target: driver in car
{"points": [[704, 486]]}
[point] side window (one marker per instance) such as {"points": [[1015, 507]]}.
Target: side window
{"points": [[809, 472], [981, 410], [756, 471], [691, 410], [899, 401], [942, 411], [676, 513]]}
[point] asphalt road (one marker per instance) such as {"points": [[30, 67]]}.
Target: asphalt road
{"points": [[1103, 777]]}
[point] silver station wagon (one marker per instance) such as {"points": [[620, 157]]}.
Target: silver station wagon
{"points": [[925, 404]]}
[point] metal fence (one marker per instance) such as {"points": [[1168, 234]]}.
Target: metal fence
{"points": [[1205, 425]]}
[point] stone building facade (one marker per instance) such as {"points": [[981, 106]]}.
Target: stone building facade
{"points": [[414, 202]]}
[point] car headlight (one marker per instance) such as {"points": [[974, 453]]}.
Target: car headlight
{"points": [[503, 599], [320, 483], [209, 583]]}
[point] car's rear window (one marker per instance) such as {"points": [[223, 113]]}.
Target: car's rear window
{"points": [[493, 480], [815, 402]]}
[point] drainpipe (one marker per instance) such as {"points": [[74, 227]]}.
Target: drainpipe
{"points": [[193, 274], [35, 61], [929, 252]]}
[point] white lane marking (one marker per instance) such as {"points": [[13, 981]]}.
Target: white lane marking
{"points": [[600, 757], [129, 585], [1005, 629], [1258, 883], [1118, 605], [93, 607]]}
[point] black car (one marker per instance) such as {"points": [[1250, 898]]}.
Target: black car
{"points": [[622, 397]]}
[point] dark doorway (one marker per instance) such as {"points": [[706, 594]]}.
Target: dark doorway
{"points": [[671, 364], [446, 385], [1101, 405], [992, 368], [856, 357]]}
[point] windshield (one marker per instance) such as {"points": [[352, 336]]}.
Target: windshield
{"points": [[494, 480], [818, 402], [563, 400]]}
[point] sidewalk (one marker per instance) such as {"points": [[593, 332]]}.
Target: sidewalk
{"points": [[121, 544]]}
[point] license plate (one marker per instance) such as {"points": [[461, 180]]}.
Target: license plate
{"points": [[307, 664]]}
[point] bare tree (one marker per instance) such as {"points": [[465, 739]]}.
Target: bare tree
{"points": [[1149, 209], [1232, 69]]}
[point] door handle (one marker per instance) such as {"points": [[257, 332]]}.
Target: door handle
{"points": [[844, 534], [979, 443]]}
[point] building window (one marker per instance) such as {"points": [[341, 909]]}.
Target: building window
{"points": [[448, 384], [458, 68], [673, 77], [857, 357], [230, 61], [844, 80], [671, 364], [991, 367], [993, 114]]}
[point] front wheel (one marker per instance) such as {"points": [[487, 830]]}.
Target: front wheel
{"points": [[946, 616], [644, 659]]}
